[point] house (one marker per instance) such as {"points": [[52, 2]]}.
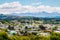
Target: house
{"points": [[44, 34]]}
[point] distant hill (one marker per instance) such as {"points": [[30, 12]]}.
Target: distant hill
{"points": [[39, 14], [29, 16]]}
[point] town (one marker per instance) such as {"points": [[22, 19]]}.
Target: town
{"points": [[29, 27]]}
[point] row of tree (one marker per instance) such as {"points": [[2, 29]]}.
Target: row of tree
{"points": [[5, 36]]}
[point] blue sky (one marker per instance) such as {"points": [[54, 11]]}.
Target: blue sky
{"points": [[27, 2]]}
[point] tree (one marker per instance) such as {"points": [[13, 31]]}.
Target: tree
{"points": [[42, 27], [55, 36], [4, 36], [55, 28]]}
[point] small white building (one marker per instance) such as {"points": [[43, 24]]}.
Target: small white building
{"points": [[44, 34]]}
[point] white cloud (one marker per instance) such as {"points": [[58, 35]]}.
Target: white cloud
{"points": [[16, 7], [48, 9]]}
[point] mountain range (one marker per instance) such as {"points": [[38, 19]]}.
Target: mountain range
{"points": [[39, 14], [25, 15]]}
